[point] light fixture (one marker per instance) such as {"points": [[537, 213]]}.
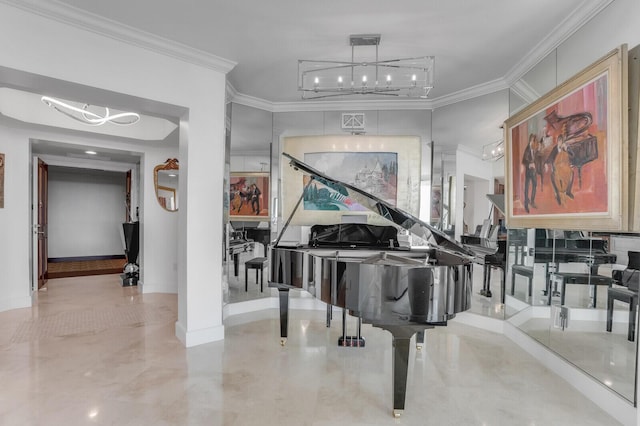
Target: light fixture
{"points": [[412, 77], [85, 115], [493, 151], [91, 152]]}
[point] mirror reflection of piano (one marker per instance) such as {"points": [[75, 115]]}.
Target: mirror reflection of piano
{"points": [[555, 247], [490, 252], [371, 271]]}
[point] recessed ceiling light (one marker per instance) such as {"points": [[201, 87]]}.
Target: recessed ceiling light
{"points": [[90, 152]]}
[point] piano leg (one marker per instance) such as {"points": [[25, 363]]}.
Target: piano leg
{"points": [[419, 340], [283, 294], [401, 342], [329, 315]]}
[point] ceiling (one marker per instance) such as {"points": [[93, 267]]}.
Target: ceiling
{"points": [[480, 47], [474, 42]]}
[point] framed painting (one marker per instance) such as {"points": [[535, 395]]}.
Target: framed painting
{"points": [[566, 153], [249, 196], [436, 203], [387, 167]]}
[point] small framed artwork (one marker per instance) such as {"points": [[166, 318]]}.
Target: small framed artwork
{"points": [[249, 196], [566, 154], [436, 203]]}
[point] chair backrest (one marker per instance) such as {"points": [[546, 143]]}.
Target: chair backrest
{"points": [[634, 260]]}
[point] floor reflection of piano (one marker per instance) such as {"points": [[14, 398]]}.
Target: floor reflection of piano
{"points": [[364, 269]]}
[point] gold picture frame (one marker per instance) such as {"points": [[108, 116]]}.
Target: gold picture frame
{"points": [[566, 153]]}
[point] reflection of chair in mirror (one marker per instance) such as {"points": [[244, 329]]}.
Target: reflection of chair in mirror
{"points": [[626, 290]]}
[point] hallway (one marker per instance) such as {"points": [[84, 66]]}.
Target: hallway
{"points": [[93, 352]]}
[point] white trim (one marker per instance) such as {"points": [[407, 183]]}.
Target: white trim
{"points": [[16, 303], [114, 166], [525, 91], [480, 321], [84, 20], [617, 407], [572, 23], [199, 337]]}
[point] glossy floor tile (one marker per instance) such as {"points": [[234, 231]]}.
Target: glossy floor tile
{"points": [[93, 352]]}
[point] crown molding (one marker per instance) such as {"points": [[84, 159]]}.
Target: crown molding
{"points": [[525, 91], [471, 92], [370, 105], [572, 23], [83, 20]]}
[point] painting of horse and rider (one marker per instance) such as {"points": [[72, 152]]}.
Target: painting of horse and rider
{"points": [[559, 156]]}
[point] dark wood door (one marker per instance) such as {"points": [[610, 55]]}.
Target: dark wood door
{"points": [[42, 225]]}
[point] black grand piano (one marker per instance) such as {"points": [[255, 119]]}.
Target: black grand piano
{"points": [[373, 274]]}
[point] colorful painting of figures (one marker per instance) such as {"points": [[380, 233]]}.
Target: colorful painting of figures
{"points": [[372, 172], [249, 196], [559, 156]]}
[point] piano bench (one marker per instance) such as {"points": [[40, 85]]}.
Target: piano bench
{"points": [[624, 295], [564, 278], [257, 263], [525, 271]]}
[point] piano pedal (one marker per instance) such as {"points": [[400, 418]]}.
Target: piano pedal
{"points": [[283, 341], [351, 341], [486, 293]]}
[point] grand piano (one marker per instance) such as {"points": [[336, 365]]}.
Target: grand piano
{"points": [[371, 271]]}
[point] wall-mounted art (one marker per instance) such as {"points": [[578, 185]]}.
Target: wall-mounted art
{"points": [[373, 172], [1, 181], [436, 203], [249, 196], [566, 153], [387, 167]]}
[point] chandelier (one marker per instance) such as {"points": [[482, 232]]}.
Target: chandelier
{"points": [[493, 151], [411, 77], [91, 115]]}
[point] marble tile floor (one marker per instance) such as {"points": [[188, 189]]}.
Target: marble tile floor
{"points": [[93, 352]]}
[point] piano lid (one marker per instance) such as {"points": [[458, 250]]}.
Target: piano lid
{"points": [[381, 208], [498, 201]]}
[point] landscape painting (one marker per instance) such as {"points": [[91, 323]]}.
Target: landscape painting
{"points": [[373, 172]]}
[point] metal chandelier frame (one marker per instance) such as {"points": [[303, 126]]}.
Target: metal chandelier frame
{"points": [[411, 77]]}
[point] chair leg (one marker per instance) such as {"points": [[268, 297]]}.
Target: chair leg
{"points": [[631, 334], [564, 288], [513, 282], [530, 286], [609, 313]]}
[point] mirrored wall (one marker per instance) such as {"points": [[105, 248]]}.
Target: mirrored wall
{"points": [[577, 293], [572, 291]]}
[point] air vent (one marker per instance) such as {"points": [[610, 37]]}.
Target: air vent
{"points": [[353, 122]]}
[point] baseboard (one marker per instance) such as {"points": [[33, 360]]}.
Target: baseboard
{"points": [[85, 258], [15, 303], [199, 337]]}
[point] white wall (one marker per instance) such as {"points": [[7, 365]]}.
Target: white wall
{"points": [[15, 222], [59, 50], [86, 211]]}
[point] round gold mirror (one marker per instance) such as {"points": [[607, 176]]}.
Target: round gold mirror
{"points": [[165, 180]]}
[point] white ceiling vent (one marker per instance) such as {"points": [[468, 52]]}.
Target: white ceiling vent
{"points": [[353, 121]]}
